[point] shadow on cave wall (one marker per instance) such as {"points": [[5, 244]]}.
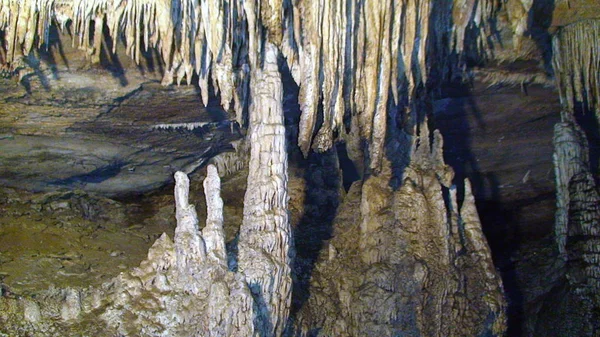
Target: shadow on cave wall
{"points": [[322, 183], [587, 120], [53, 53], [539, 20], [150, 60], [321, 201], [45, 55]]}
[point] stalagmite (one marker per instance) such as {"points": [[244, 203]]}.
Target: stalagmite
{"points": [[583, 240], [182, 289], [213, 234], [265, 243], [406, 257], [570, 159]]}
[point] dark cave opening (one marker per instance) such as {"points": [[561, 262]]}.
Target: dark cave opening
{"points": [[350, 173]]}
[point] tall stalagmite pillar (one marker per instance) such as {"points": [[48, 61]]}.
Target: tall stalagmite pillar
{"points": [[265, 234]]}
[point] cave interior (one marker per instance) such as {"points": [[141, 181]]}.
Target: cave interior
{"points": [[299, 168]]}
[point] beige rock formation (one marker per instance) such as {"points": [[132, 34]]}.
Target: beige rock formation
{"points": [[406, 262], [265, 244], [392, 271], [183, 288]]}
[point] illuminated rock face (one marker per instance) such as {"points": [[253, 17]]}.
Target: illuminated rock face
{"points": [[265, 254], [391, 272]]}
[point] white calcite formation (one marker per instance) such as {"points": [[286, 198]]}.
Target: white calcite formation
{"points": [[265, 242]]}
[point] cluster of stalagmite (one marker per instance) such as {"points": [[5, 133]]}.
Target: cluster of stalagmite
{"points": [[183, 288], [416, 264]]}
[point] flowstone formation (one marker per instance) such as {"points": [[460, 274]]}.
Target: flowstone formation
{"points": [[402, 261]]}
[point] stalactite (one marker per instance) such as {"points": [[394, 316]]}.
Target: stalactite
{"points": [[475, 14], [24, 23], [576, 61], [518, 15], [347, 55], [309, 65]]}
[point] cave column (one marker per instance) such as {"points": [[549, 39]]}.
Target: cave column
{"points": [[265, 235]]}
